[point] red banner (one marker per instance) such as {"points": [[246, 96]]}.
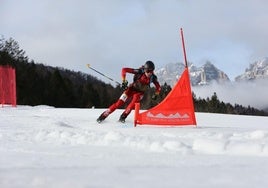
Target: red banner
{"points": [[8, 85], [175, 110]]}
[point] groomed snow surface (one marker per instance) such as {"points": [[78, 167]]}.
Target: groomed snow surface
{"points": [[43, 146]]}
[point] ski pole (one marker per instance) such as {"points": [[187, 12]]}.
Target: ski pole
{"points": [[88, 65]]}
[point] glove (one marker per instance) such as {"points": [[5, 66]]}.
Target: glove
{"points": [[154, 96], [124, 84]]}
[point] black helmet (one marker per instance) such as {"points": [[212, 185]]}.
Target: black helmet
{"points": [[149, 66]]}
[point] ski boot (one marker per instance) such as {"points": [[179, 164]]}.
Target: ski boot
{"points": [[103, 116], [122, 118]]}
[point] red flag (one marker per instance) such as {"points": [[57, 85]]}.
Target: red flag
{"points": [[175, 110]]}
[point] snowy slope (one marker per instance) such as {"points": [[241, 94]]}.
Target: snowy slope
{"points": [[51, 147]]}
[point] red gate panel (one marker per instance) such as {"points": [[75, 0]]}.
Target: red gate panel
{"points": [[8, 86]]}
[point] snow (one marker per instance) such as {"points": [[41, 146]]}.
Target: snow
{"points": [[43, 146]]}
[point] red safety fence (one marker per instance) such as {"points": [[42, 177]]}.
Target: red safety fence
{"points": [[8, 86]]}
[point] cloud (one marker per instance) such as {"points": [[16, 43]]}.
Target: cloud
{"points": [[116, 33], [252, 94]]}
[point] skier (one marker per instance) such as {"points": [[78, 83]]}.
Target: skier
{"points": [[141, 82]]}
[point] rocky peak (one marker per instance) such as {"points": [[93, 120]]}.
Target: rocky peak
{"points": [[256, 70], [199, 75]]}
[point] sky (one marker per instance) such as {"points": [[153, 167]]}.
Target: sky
{"points": [[111, 34], [42, 146]]}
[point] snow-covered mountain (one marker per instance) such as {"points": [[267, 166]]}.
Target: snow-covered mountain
{"points": [[170, 73], [257, 70], [203, 75], [208, 74]]}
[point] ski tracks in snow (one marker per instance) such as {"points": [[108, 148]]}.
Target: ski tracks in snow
{"points": [[76, 127]]}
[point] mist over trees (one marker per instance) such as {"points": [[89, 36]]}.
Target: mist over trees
{"points": [[214, 105], [38, 84]]}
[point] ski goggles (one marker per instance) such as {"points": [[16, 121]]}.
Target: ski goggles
{"points": [[148, 70]]}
